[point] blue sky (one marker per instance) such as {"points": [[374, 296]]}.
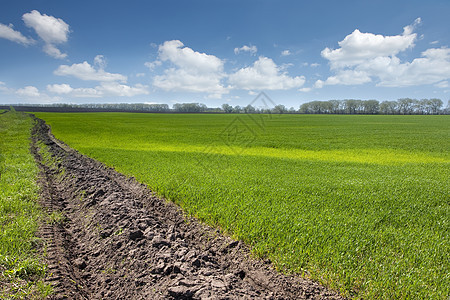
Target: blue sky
{"points": [[217, 52]]}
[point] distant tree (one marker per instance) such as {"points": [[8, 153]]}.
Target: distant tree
{"points": [[435, 105], [371, 107], [279, 109], [406, 106], [335, 106], [249, 109], [422, 107], [389, 107], [189, 107], [352, 106], [304, 108], [237, 109], [227, 108], [292, 110]]}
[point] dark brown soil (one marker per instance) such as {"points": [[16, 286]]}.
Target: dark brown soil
{"points": [[119, 241]]}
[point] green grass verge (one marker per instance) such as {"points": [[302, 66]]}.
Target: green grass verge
{"points": [[360, 203], [21, 269]]}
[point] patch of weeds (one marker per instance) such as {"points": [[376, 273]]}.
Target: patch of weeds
{"points": [[82, 195], [56, 217], [109, 271]]}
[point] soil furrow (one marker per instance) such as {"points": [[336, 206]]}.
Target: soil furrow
{"points": [[117, 240]]}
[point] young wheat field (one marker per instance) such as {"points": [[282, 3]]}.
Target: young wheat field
{"points": [[359, 203]]}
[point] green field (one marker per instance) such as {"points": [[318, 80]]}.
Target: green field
{"points": [[360, 203], [21, 269]]}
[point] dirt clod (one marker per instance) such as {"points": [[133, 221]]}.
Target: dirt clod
{"points": [[120, 241]]}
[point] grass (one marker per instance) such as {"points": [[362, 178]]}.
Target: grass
{"points": [[360, 203], [22, 270]]}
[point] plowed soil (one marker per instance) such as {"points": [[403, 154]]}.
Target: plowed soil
{"points": [[110, 237]]}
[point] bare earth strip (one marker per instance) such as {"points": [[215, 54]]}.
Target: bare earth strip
{"points": [[119, 241]]}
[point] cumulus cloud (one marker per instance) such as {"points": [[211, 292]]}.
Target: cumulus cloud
{"points": [[4, 88], [432, 67], [122, 90], [59, 88], [366, 57], [85, 71], [192, 71], [345, 77], [110, 84], [188, 59], [100, 62], [285, 53], [245, 48], [67, 90], [53, 31], [358, 47], [28, 91], [264, 74], [103, 90], [152, 65], [7, 32]]}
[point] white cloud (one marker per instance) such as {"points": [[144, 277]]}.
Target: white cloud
{"points": [[431, 68], [4, 88], [434, 42], [264, 74], [245, 48], [122, 90], [7, 32], [53, 51], [100, 62], [366, 57], [359, 47], [313, 65], [59, 88], [85, 71], [410, 28], [53, 31], [67, 90], [140, 74], [305, 90], [105, 89], [346, 77], [111, 84], [152, 65], [285, 53], [319, 84], [442, 84], [28, 91], [192, 72], [188, 59]]}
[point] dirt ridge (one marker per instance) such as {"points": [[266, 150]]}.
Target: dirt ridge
{"points": [[118, 240]]}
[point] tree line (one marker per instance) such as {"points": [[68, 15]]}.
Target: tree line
{"points": [[404, 106]]}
